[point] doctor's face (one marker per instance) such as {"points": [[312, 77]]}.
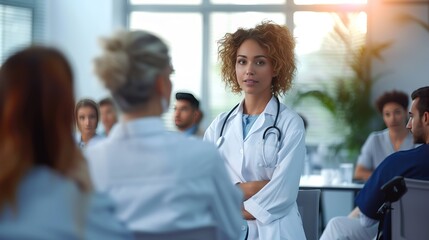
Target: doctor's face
{"points": [[253, 68]]}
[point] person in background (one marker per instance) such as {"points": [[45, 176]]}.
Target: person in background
{"points": [[45, 188], [87, 115], [412, 163], [108, 114], [158, 182], [393, 107], [187, 114], [262, 141]]}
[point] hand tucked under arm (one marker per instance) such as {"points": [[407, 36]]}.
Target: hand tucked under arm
{"points": [[247, 215], [251, 188]]}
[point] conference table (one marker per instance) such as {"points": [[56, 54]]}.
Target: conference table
{"points": [[315, 181], [318, 182]]}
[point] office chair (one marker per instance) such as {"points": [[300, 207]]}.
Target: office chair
{"points": [[206, 233], [308, 206], [410, 214], [393, 190]]}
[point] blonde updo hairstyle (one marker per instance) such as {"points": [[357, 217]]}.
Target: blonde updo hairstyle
{"points": [[276, 39], [129, 65]]}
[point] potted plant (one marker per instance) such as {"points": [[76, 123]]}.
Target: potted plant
{"points": [[348, 99]]}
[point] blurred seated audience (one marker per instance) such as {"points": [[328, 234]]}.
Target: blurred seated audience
{"points": [[87, 115], [45, 188], [413, 163], [108, 114], [393, 107], [161, 181]]}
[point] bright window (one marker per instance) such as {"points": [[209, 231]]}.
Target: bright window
{"points": [[21, 23], [192, 29], [15, 29]]}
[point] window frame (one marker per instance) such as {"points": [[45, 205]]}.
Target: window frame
{"points": [[206, 8]]}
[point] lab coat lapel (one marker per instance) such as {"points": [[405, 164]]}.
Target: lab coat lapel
{"points": [[264, 120], [234, 147], [237, 124]]}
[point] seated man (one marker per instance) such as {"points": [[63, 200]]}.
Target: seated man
{"points": [[187, 114], [108, 114], [412, 163]]}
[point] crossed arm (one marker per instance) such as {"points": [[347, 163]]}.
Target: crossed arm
{"points": [[249, 189]]}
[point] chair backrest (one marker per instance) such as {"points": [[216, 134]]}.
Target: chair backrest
{"points": [[208, 233], [308, 206], [410, 214]]}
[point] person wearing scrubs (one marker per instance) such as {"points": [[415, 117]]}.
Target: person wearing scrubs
{"points": [[157, 181], [261, 140], [393, 106]]}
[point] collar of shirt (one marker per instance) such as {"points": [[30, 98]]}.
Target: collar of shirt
{"points": [[138, 127], [191, 131]]}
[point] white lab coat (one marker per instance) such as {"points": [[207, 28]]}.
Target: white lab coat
{"points": [[165, 181], [274, 206]]}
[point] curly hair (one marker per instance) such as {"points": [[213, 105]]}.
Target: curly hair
{"points": [[398, 97], [276, 39]]}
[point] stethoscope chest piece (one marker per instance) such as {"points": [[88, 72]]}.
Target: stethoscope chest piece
{"points": [[220, 141]]}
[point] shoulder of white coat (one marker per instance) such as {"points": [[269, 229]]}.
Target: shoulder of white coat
{"points": [[215, 126], [291, 118]]}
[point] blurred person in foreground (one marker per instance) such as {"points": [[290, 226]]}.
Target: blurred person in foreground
{"points": [[413, 163], [158, 182], [187, 114], [45, 189], [108, 115]]}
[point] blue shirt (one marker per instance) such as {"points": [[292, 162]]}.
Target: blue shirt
{"points": [[412, 163], [50, 206], [378, 146], [248, 121]]}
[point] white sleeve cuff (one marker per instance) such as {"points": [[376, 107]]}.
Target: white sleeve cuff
{"points": [[258, 212]]}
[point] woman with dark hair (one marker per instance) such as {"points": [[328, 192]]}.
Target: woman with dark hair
{"points": [[87, 115], [393, 107], [45, 188]]}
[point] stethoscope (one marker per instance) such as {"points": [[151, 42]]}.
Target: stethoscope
{"points": [[270, 130]]}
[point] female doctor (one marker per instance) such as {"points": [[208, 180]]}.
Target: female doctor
{"points": [[261, 140]]}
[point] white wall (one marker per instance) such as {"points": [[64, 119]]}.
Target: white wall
{"points": [[75, 26], [406, 62]]}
